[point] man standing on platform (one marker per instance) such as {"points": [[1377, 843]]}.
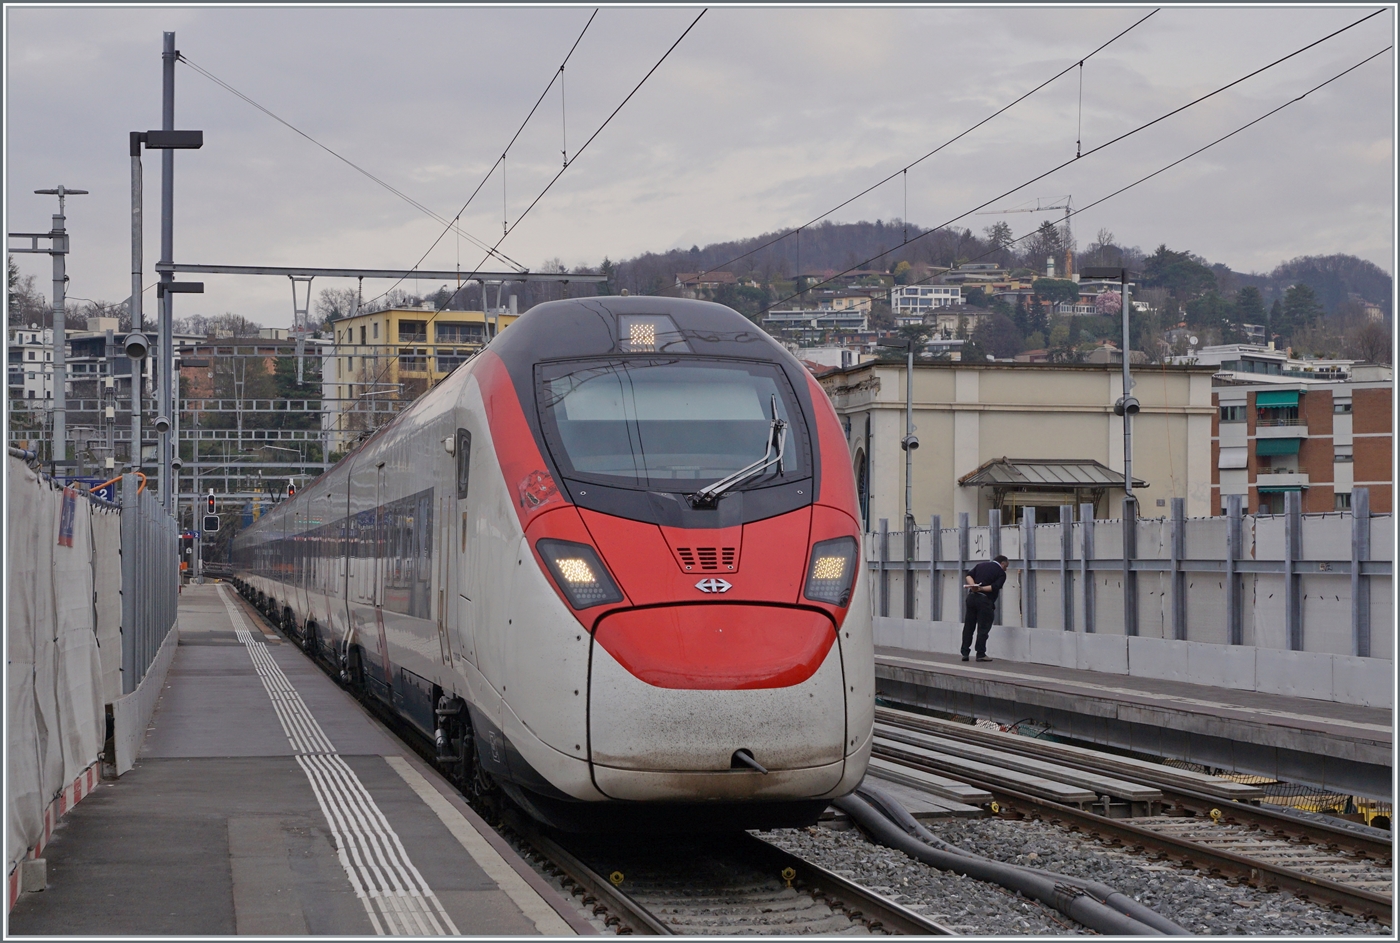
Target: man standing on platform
{"points": [[983, 585]]}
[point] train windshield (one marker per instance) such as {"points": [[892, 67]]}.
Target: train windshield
{"points": [[666, 425]]}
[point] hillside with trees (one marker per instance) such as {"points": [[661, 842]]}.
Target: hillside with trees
{"points": [[1317, 304]]}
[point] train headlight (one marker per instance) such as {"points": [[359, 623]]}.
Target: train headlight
{"points": [[832, 571], [579, 573]]}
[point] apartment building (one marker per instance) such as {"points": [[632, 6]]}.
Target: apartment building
{"points": [[907, 300], [1319, 439], [395, 353], [30, 367]]}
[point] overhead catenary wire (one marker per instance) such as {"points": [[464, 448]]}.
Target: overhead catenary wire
{"points": [[555, 179], [500, 161], [1163, 169], [1093, 150], [341, 157], [953, 140]]}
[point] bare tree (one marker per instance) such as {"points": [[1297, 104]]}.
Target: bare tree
{"points": [[1370, 342], [334, 303], [25, 304]]}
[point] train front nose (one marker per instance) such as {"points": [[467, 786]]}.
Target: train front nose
{"points": [[681, 698]]}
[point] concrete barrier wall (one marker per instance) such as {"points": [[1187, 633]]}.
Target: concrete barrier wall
{"points": [[1342, 678], [1324, 580], [55, 723], [131, 713]]}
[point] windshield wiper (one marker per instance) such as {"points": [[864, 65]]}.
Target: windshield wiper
{"points": [[709, 495]]}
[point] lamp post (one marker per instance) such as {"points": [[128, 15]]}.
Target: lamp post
{"points": [[1127, 405], [909, 443], [166, 141]]}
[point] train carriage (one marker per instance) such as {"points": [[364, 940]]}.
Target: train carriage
{"points": [[611, 564]]}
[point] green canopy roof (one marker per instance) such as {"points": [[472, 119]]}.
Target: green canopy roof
{"points": [[1276, 446], [1276, 398]]}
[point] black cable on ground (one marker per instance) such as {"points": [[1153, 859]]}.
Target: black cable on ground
{"points": [[888, 804], [1072, 900]]}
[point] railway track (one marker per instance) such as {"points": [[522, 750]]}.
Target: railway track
{"points": [[721, 885], [724, 885], [1313, 830], [1327, 864]]}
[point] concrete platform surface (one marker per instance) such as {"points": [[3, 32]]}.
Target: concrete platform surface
{"points": [[1321, 743], [246, 815]]}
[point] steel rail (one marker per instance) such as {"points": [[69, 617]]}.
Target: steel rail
{"points": [[1352, 900], [614, 899], [1242, 813], [861, 902]]}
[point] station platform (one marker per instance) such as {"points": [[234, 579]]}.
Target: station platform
{"points": [[266, 801], [1322, 744]]}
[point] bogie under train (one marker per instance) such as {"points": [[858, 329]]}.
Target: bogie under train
{"points": [[611, 564]]}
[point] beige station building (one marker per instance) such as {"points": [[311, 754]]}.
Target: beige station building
{"points": [[1013, 435]]}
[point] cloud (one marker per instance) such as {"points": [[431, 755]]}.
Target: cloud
{"points": [[761, 119]]}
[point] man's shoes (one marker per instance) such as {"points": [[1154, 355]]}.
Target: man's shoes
{"points": [[983, 658], [964, 658]]}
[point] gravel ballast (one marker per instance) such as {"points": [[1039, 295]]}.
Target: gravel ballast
{"points": [[1201, 904]]}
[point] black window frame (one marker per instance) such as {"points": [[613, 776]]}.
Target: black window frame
{"points": [[799, 462], [464, 461]]}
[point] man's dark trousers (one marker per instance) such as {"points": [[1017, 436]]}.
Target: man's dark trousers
{"points": [[980, 612]]}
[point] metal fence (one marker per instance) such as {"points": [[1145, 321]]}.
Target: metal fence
{"points": [[1316, 582], [150, 579]]}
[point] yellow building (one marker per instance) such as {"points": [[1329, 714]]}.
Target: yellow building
{"points": [[380, 358]]}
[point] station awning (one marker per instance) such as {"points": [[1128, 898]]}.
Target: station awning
{"points": [[1276, 398], [1277, 446], [1046, 474]]}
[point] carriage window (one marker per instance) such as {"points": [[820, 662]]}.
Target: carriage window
{"points": [[464, 457]]}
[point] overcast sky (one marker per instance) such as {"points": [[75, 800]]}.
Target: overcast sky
{"points": [[760, 120]]}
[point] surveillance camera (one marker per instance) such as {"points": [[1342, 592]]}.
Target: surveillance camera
{"points": [[162, 424], [136, 346], [909, 442], [1127, 405], [176, 464]]}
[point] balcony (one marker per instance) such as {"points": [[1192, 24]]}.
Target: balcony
{"points": [[1281, 480], [1281, 429]]}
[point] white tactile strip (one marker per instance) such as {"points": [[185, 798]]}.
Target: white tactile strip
{"points": [[396, 898]]}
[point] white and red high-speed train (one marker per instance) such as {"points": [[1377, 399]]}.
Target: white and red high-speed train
{"points": [[612, 563]]}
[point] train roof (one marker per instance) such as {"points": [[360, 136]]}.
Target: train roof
{"points": [[599, 326]]}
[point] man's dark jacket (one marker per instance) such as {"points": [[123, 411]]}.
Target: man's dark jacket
{"points": [[989, 573]]}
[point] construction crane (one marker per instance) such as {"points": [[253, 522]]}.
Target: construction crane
{"points": [[1043, 206]]}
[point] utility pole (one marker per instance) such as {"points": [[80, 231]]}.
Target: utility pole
{"points": [[166, 140], [910, 443], [165, 362], [1130, 404], [1127, 405], [58, 251]]}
